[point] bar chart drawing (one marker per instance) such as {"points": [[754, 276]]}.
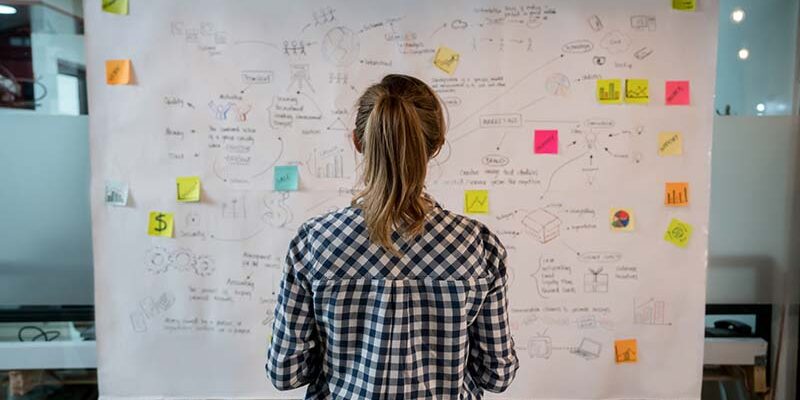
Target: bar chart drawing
{"points": [[649, 312], [328, 163], [611, 93], [676, 194]]}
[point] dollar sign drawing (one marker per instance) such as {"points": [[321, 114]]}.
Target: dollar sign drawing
{"points": [[161, 224]]}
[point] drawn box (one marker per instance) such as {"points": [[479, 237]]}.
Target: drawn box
{"points": [[544, 226]]}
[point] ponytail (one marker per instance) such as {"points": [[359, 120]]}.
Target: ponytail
{"points": [[400, 126]]}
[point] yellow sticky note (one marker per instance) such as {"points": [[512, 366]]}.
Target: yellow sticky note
{"points": [[116, 6], [625, 351], [609, 91], [676, 194], [637, 91], [188, 188], [160, 224], [118, 72], [476, 201], [621, 219], [678, 232], [446, 59], [684, 5], [670, 144]]}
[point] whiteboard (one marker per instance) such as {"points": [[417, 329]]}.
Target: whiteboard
{"points": [[228, 90]]}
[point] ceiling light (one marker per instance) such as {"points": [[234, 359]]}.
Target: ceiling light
{"points": [[737, 16], [4, 9], [743, 54]]}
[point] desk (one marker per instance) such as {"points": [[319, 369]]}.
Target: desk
{"points": [[48, 355]]}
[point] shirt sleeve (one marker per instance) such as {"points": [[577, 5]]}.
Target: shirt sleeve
{"points": [[493, 361], [294, 357]]}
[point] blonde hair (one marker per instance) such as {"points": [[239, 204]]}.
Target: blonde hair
{"points": [[400, 127]]}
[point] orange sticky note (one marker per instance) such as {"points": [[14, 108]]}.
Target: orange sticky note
{"points": [[625, 351], [676, 194], [118, 72]]}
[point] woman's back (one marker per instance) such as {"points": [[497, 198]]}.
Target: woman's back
{"points": [[393, 297], [430, 324]]}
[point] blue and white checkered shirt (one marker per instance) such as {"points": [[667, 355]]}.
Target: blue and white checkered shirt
{"points": [[355, 322]]}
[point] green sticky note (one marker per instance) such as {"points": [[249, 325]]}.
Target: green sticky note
{"points": [[678, 233], [684, 5], [287, 178], [188, 188], [116, 6]]}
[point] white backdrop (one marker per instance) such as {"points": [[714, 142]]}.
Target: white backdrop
{"points": [[228, 90]]}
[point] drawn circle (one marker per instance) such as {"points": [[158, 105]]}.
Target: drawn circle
{"points": [[204, 266], [157, 260], [340, 46], [621, 219], [678, 233], [182, 260]]}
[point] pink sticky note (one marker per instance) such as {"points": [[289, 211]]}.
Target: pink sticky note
{"points": [[677, 93], [545, 141]]}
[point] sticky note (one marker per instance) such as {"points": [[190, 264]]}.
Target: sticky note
{"points": [[676, 93], [609, 91], [446, 59], [188, 188], [676, 194], [160, 224], [621, 219], [684, 5], [625, 351], [678, 232], [286, 178], [476, 201], [670, 144], [118, 72], [116, 193], [545, 141], [116, 6], [637, 91]]}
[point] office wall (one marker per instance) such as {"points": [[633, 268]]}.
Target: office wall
{"points": [[754, 223], [45, 240]]}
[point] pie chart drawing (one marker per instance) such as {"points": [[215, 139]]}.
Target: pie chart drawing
{"points": [[557, 85], [621, 219], [340, 46]]}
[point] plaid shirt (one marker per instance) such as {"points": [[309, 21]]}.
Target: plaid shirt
{"points": [[356, 322]]}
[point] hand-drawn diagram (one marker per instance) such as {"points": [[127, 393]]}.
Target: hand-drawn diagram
{"points": [[235, 99], [150, 308], [649, 311], [160, 260], [340, 46], [595, 281], [543, 225], [541, 346]]}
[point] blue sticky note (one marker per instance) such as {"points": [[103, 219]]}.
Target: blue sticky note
{"points": [[287, 178]]}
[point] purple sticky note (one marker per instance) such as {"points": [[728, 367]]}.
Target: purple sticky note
{"points": [[545, 141], [677, 93]]}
